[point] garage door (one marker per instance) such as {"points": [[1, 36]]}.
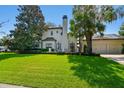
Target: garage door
{"points": [[114, 49], [107, 49], [102, 49]]}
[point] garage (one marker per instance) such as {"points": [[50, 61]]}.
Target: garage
{"points": [[108, 44]]}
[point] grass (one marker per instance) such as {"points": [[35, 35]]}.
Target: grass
{"points": [[37, 70]]}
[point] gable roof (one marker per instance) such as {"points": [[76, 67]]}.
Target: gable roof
{"points": [[49, 39]]}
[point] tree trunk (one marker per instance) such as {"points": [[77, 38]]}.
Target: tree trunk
{"points": [[89, 43], [80, 45]]}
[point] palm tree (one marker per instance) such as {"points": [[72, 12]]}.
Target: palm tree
{"points": [[91, 19]]}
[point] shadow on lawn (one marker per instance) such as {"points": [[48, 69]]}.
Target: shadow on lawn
{"points": [[9, 55], [97, 71]]}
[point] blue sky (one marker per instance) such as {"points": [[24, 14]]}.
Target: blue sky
{"points": [[52, 13]]}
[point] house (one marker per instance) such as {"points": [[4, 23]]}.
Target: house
{"points": [[58, 39], [3, 48]]}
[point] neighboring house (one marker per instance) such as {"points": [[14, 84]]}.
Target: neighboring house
{"points": [[2, 48], [59, 40]]}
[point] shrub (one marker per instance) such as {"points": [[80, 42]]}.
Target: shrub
{"points": [[44, 50], [32, 51]]}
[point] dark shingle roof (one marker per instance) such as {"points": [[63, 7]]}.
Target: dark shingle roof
{"points": [[55, 28], [49, 39]]}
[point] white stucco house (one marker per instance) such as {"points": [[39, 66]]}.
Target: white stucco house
{"points": [[57, 38]]}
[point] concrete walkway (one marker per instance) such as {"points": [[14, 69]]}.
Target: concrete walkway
{"points": [[117, 58], [10, 86]]}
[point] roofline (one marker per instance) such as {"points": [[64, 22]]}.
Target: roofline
{"points": [[49, 40], [107, 39], [55, 28]]}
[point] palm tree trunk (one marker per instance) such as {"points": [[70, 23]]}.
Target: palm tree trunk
{"points": [[89, 43]]}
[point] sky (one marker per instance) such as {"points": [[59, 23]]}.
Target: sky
{"points": [[52, 13]]}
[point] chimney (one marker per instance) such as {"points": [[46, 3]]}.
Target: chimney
{"points": [[65, 24]]}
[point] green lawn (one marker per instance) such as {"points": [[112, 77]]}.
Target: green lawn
{"points": [[37, 70]]}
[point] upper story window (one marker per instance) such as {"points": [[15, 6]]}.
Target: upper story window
{"points": [[51, 33]]}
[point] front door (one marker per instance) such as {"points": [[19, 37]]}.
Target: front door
{"points": [[48, 45]]}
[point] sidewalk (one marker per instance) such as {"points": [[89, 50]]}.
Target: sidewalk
{"points": [[10, 86]]}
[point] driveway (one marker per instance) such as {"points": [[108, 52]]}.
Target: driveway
{"points": [[10, 86], [118, 58]]}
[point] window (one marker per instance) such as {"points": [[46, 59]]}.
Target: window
{"points": [[48, 45], [61, 33], [51, 33], [59, 46], [56, 31]]}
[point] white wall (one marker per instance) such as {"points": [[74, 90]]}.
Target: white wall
{"points": [[56, 35]]}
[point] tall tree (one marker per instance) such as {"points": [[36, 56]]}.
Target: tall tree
{"points": [[89, 20], [121, 32], [29, 27]]}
